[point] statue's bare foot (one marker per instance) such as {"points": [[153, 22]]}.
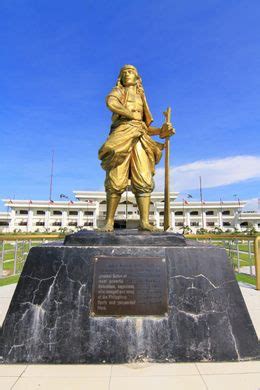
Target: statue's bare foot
{"points": [[146, 226], [109, 227]]}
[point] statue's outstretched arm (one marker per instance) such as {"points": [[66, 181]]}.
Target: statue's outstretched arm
{"points": [[115, 106]]}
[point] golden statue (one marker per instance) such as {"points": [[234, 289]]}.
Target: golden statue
{"points": [[129, 152]]}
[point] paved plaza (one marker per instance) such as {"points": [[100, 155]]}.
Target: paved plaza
{"points": [[152, 376]]}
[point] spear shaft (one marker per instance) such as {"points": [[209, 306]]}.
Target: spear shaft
{"points": [[167, 221]]}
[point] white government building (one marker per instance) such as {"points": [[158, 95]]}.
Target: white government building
{"points": [[89, 209]]}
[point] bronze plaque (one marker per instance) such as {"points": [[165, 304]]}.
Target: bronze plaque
{"points": [[129, 286]]}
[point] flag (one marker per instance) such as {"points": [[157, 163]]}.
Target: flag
{"points": [[189, 196], [63, 196], [185, 202], [70, 202], [51, 201]]}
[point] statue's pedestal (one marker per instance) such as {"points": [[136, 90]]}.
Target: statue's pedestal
{"points": [[127, 296]]}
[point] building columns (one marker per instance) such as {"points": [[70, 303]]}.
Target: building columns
{"points": [[30, 221], [220, 220], [64, 220], [157, 218], [203, 219], [12, 221], [80, 218], [95, 216], [47, 220], [187, 218], [173, 220]]}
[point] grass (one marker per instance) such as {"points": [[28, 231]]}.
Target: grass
{"points": [[244, 247], [246, 279], [7, 246], [9, 280], [231, 249]]}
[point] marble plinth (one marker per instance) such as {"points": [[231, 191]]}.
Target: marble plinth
{"points": [[50, 319]]}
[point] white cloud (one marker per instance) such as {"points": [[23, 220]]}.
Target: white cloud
{"points": [[214, 173]]}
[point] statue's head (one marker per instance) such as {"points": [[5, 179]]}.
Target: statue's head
{"points": [[128, 76]]}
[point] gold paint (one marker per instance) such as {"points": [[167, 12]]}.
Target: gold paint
{"points": [[129, 151], [167, 218]]}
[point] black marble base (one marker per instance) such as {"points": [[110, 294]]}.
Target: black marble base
{"points": [[50, 319], [125, 237]]}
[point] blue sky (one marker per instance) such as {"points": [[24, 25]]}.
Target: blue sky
{"points": [[59, 59]]}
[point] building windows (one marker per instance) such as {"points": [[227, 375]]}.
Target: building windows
{"points": [[194, 224], [210, 224], [4, 223], [226, 212], [121, 212], [88, 224], [179, 224], [56, 223], [151, 213], [23, 212], [226, 224], [73, 213], [161, 213], [57, 212], [244, 224], [39, 223], [178, 213], [72, 224], [40, 212], [89, 213], [194, 213], [22, 223], [130, 212], [210, 212]]}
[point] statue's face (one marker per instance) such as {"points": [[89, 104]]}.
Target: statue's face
{"points": [[128, 77]]}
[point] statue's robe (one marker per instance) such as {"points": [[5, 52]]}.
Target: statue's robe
{"points": [[129, 152]]}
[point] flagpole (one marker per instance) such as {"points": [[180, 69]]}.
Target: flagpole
{"points": [[51, 178], [201, 204], [183, 211]]}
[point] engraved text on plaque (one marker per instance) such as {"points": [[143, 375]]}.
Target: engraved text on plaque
{"points": [[129, 286]]}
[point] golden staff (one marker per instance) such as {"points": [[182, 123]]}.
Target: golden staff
{"points": [[167, 218]]}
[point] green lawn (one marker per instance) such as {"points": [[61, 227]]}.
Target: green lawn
{"points": [[9, 280], [246, 279], [7, 246], [244, 247], [231, 249]]}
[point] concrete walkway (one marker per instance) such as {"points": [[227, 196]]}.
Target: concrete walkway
{"points": [[152, 376]]}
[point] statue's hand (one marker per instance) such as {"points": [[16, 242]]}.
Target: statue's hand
{"points": [[167, 130]]}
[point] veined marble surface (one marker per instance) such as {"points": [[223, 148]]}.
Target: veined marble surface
{"points": [[49, 317]]}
